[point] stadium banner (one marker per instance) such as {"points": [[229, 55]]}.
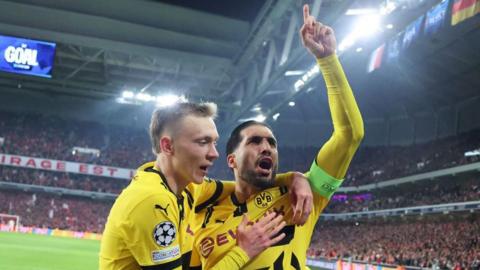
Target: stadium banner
{"points": [[65, 166], [393, 48], [376, 58], [435, 18], [412, 32], [464, 9], [324, 264], [344, 264], [26, 56], [55, 232]]}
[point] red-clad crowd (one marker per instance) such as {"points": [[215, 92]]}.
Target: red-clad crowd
{"points": [[52, 137], [54, 211], [438, 242], [62, 179], [460, 188]]}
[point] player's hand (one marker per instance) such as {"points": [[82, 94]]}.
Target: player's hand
{"points": [[319, 39], [301, 198], [255, 238]]}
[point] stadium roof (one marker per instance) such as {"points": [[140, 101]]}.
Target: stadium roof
{"points": [[236, 53]]}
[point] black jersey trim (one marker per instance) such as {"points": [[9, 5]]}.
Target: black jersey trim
{"points": [[213, 198]]}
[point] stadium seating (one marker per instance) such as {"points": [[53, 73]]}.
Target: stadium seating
{"points": [[415, 241], [446, 190], [439, 242], [55, 212]]}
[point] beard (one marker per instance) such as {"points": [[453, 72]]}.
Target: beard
{"points": [[258, 181]]}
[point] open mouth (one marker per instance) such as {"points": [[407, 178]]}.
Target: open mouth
{"points": [[204, 168], [265, 166]]}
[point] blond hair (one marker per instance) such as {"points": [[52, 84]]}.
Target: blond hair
{"points": [[165, 118]]}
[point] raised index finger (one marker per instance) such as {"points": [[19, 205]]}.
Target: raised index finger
{"points": [[306, 12]]}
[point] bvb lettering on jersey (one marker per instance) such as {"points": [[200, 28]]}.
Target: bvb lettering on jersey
{"points": [[217, 235]]}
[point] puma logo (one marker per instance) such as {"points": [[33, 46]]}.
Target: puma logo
{"points": [[157, 206], [220, 221]]}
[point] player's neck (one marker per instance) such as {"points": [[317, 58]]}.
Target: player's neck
{"points": [[172, 178], [244, 190]]}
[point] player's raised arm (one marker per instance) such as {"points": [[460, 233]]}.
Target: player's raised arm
{"points": [[334, 157]]}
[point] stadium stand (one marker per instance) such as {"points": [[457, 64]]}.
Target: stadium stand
{"points": [[438, 242], [446, 190], [374, 164], [52, 137], [443, 241], [62, 179], [55, 212]]}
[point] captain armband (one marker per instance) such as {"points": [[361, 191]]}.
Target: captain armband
{"points": [[321, 182]]}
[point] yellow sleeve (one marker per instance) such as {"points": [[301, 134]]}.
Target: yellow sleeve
{"points": [[236, 258], [209, 191], [154, 240], [335, 155], [284, 179]]}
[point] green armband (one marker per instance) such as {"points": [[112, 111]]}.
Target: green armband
{"points": [[321, 182]]}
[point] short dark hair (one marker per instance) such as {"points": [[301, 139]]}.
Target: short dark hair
{"points": [[235, 137], [167, 116]]}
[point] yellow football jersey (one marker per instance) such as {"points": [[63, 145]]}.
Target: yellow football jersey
{"points": [[217, 223], [216, 234], [149, 226]]}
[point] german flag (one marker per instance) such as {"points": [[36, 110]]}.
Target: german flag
{"points": [[464, 9]]}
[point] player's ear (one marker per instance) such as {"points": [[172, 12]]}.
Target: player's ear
{"points": [[166, 145], [231, 161]]}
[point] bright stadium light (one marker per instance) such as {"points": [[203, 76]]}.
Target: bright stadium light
{"points": [[127, 94], [365, 27], [291, 103], [298, 85], [275, 116], [294, 72], [472, 153], [123, 100], [143, 97], [368, 25], [256, 109], [361, 11], [169, 100], [260, 118], [387, 7], [306, 77], [359, 49], [347, 42], [389, 26]]}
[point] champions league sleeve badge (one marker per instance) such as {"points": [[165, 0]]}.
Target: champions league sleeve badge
{"points": [[164, 233]]}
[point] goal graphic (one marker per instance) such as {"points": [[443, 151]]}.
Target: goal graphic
{"points": [[9, 223]]}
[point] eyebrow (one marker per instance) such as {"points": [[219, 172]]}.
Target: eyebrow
{"points": [[271, 140], [207, 138]]}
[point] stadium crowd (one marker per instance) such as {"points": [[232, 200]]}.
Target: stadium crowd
{"points": [[52, 137], [55, 212], [445, 190], [379, 163], [438, 242], [62, 180], [426, 243]]}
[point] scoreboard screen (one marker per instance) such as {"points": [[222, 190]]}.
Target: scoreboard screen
{"points": [[26, 56]]}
